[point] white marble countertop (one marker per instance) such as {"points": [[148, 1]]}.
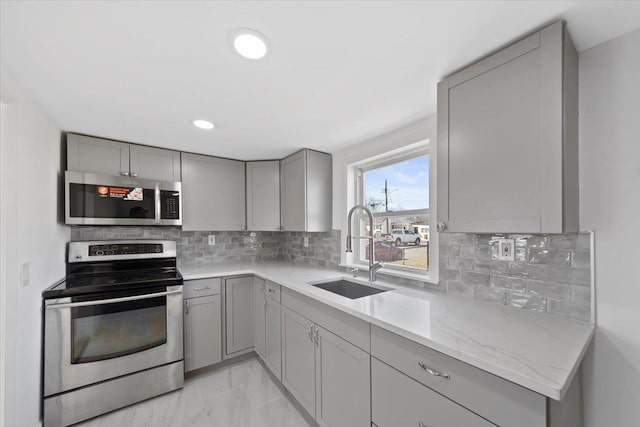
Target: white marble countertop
{"points": [[537, 351]]}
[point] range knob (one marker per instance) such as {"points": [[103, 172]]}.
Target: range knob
{"points": [[99, 252]]}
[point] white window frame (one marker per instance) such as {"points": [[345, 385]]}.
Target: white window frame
{"points": [[424, 147]]}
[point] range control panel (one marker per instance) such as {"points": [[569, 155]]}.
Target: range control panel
{"points": [[125, 249]]}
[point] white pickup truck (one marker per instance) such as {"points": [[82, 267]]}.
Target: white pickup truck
{"points": [[405, 236]]}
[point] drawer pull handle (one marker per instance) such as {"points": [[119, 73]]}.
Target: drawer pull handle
{"points": [[433, 372], [204, 288], [311, 332]]}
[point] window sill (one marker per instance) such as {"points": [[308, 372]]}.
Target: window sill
{"points": [[423, 277]]}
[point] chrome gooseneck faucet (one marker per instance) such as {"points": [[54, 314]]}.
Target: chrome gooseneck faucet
{"points": [[373, 267]]}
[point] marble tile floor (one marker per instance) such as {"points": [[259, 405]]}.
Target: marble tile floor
{"points": [[238, 395]]}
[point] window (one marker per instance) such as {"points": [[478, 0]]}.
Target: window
{"points": [[397, 193]]}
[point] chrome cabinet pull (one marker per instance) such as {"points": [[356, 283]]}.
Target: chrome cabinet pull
{"points": [[186, 306], [204, 288], [315, 336], [124, 173], [441, 226], [311, 332], [135, 175], [434, 372]]}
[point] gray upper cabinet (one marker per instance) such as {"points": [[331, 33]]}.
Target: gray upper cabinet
{"points": [[103, 156], [507, 144], [305, 191], [154, 163], [213, 193], [263, 196], [96, 155]]}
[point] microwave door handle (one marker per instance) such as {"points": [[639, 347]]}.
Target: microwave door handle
{"points": [[113, 300], [157, 203]]}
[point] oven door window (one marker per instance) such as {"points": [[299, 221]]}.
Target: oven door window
{"points": [[106, 331]]}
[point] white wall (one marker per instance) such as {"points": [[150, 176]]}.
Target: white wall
{"points": [[610, 205], [31, 184]]}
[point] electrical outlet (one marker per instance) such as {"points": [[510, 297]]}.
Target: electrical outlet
{"points": [[24, 274], [506, 249], [212, 239], [305, 242]]}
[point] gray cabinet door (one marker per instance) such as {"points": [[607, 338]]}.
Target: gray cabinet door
{"points": [[239, 308], [273, 337], [263, 196], [154, 163], [501, 142], [213, 193], [203, 332], [293, 192], [96, 155], [298, 359], [398, 400], [343, 382], [305, 191], [259, 330]]}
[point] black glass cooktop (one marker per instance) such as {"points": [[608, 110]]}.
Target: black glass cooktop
{"points": [[89, 278]]}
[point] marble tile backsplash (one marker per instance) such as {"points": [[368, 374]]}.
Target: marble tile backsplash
{"points": [[550, 274], [231, 246]]}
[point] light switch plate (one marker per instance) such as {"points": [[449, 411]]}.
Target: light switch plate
{"points": [[506, 249], [212, 239]]}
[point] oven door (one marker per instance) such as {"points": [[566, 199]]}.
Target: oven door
{"points": [[92, 199], [88, 340]]}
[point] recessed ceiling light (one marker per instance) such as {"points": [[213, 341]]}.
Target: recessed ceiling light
{"points": [[249, 43], [203, 124]]}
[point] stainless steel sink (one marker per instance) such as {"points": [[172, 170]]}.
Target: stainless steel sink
{"points": [[349, 289]]}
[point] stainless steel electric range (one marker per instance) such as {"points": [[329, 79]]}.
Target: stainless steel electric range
{"points": [[112, 329]]}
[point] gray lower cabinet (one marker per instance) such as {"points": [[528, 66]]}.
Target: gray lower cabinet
{"points": [[104, 156], [239, 315], [299, 359], [213, 193], [263, 195], [260, 305], [328, 375], [398, 400], [202, 323], [305, 191], [507, 145]]}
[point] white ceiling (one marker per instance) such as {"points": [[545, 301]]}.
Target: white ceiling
{"points": [[337, 72]]}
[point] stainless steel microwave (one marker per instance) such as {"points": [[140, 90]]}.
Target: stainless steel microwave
{"points": [[92, 199]]}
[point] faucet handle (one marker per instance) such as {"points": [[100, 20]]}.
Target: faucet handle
{"points": [[355, 272]]}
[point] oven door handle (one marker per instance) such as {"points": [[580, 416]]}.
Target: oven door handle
{"points": [[113, 300]]}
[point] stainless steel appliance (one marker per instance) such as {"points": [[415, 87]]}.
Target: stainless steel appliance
{"points": [[112, 329], [93, 199]]}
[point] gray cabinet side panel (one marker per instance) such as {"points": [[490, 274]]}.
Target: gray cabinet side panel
{"points": [[442, 152], [319, 200], [550, 136], [293, 186], [570, 149]]}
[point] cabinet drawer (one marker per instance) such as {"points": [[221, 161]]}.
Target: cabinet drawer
{"points": [[200, 288], [273, 291], [498, 400], [398, 400]]}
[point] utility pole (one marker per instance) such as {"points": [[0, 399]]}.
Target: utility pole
{"points": [[387, 192]]}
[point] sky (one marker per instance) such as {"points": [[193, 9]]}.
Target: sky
{"points": [[407, 183]]}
